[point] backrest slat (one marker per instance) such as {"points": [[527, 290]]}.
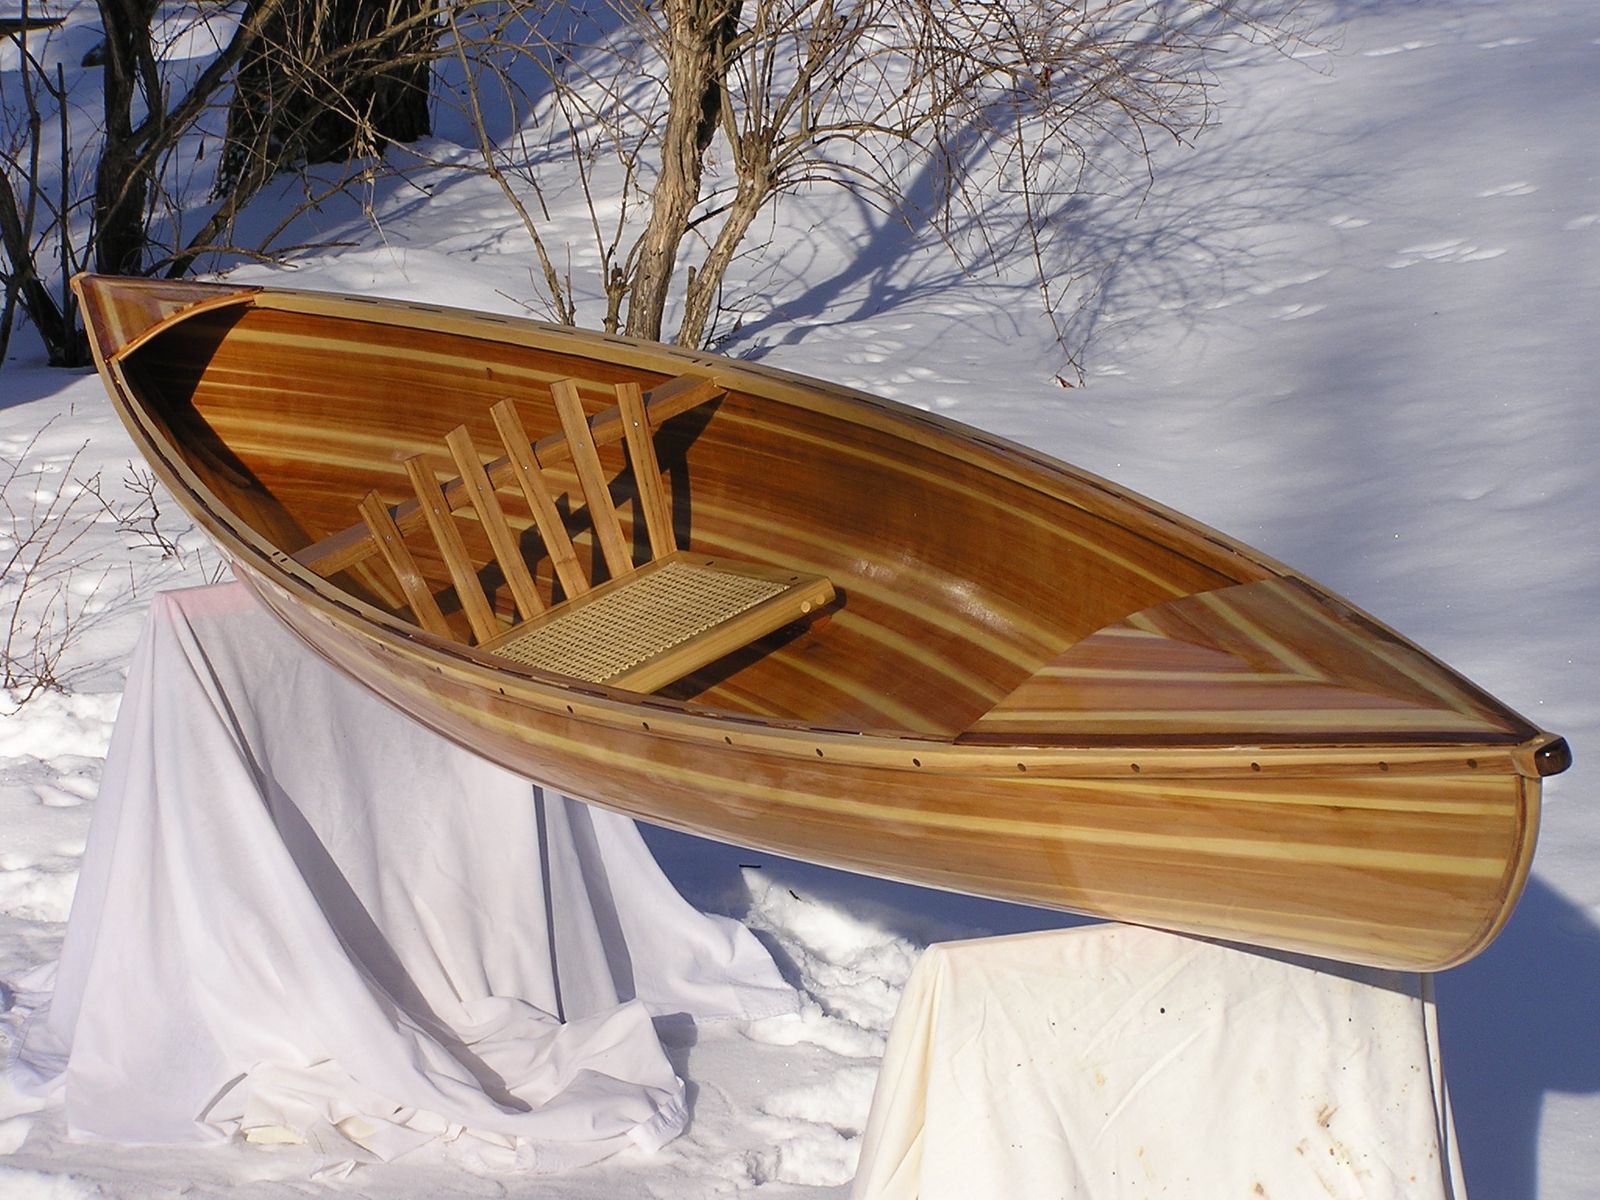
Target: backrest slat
{"points": [[591, 475], [646, 470], [354, 544], [504, 542], [530, 477], [375, 513], [436, 511]]}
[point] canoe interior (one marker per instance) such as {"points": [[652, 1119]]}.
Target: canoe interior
{"points": [[956, 582]]}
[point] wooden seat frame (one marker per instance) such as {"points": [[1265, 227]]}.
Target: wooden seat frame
{"points": [[642, 628]]}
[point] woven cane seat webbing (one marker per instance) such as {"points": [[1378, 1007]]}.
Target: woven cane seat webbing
{"points": [[599, 639]]}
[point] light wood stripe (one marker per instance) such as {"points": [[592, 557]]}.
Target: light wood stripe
{"points": [[507, 551], [596, 492], [646, 470], [1250, 720], [395, 552], [530, 478], [469, 591], [1252, 632], [1392, 798]]}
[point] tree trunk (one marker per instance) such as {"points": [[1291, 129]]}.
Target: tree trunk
{"points": [[698, 33], [120, 189], [24, 287], [707, 281], [327, 81]]}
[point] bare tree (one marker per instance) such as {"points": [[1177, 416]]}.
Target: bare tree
{"points": [[22, 145], [145, 113], [300, 80], [994, 112], [44, 593], [696, 38], [328, 80]]}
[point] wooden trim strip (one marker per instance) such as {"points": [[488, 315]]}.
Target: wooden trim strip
{"points": [[375, 513], [646, 470], [504, 542], [436, 512], [519, 452], [591, 476]]}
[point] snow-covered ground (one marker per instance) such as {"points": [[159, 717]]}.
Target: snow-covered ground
{"points": [[1358, 326]]}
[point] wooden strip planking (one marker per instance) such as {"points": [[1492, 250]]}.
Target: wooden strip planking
{"points": [[936, 829], [591, 475], [1260, 659], [375, 513], [1007, 510], [530, 478], [504, 542], [646, 470], [1178, 882], [1418, 669], [436, 512]]}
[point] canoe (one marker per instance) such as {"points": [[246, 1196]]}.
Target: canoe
{"points": [[925, 653]]}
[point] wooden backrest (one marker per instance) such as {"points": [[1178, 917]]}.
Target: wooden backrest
{"points": [[522, 457]]}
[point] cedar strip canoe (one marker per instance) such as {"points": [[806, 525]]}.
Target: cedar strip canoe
{"points": [[1004, 675]]}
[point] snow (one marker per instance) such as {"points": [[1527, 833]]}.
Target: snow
{"points": [[1354, 326]]}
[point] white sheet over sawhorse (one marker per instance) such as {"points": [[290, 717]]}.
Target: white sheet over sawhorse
{"points": [[303, 916], [1110, 1062]]}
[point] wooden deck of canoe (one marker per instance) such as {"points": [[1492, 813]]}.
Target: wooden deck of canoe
{"points": [[1022, 680]]}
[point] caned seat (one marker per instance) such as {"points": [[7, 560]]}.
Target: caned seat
{"points": [[644, 626]]}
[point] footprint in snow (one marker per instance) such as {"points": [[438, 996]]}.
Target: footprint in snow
{"points": [[38, 894], [1295, 312], [874, 354], [1268, 286], [1455, 250], [815, 1130], [1509, 189], [819, 1157], [1403, 47], [58, 797]]}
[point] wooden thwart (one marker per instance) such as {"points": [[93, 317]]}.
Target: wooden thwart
{"points": [[644, 626]]}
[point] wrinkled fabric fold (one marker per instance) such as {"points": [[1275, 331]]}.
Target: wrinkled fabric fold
{"points": [[302, 916]]}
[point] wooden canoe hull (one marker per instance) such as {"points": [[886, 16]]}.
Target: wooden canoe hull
{"points": [[1403, 841], [1306, 856]]}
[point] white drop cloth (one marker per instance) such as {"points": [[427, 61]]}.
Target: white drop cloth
{"points": [[1114, 1062], [302, 915]]}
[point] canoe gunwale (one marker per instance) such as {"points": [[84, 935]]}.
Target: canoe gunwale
{"points": [[977, 756]]}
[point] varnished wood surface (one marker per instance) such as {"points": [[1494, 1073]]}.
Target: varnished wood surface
{"points": [[1207, 667], [1233, 752]]}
